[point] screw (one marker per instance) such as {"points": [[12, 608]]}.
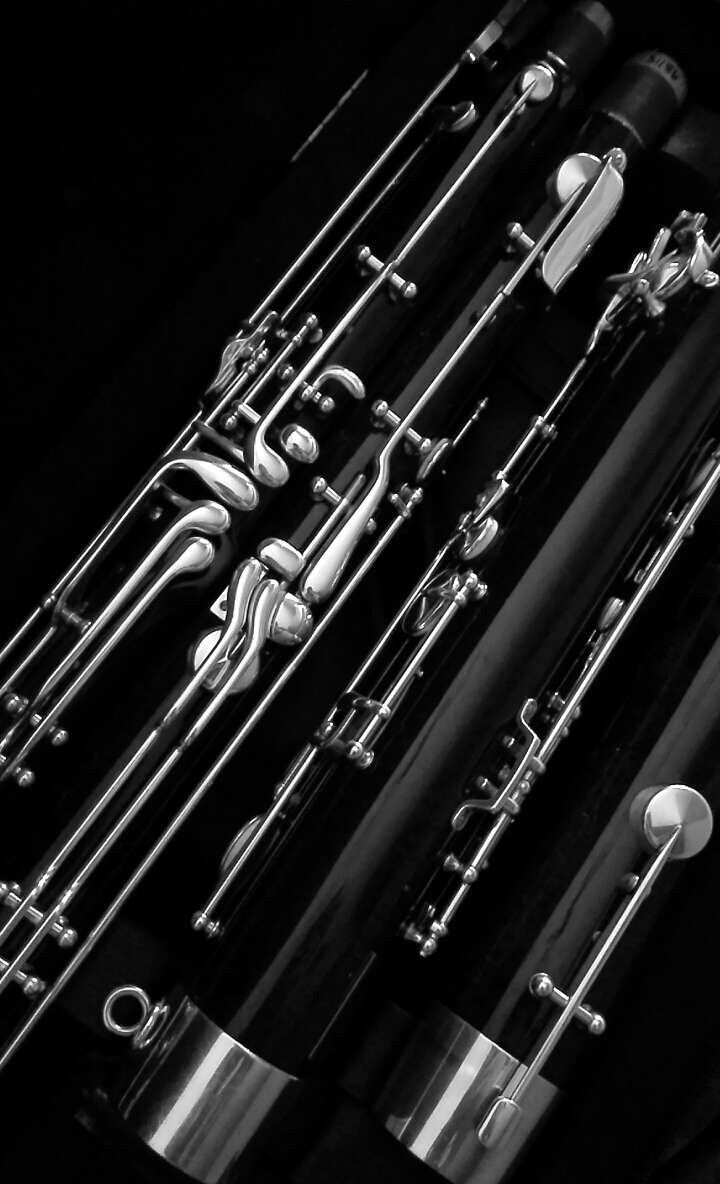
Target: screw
{"points": [[33, 986], [67, 938], [15, 704], [201, 923], [597, 1025], [452, 864], [519, 239], [541, 986]]}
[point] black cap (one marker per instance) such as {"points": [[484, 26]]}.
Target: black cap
{"points": [[580, 38], [694, 147], [645, 95]]}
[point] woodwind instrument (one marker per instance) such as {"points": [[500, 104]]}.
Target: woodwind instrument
{"points": [[324, 759]]}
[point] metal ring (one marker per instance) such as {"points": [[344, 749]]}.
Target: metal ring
{"points": [[126, 992], [151, 1026]]}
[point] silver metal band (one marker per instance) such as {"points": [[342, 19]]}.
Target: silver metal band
{"points": [[200, 1097], [448, 1077]]}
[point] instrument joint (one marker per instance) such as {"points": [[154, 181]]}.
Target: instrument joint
{"points": [[310, 394], [541, 986], [11, 898], [467, 872], [399, 288], [405, 500], [72, 618], [385, 417], [30, 984], [367, 714], [519, 241], [243, 347], [203, 923], [321, 491], [513, 782]]}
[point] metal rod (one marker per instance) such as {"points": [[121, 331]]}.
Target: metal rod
{"points": [[538, 753], [280, 801], [489, 842], [31, 654], [187, 808], [653, 573], [187, 436], [539, 425], [601, 953], [322, 576], [203, 515], [300, 768], [399, 615], [356, 226], [391, 265], [60, 907], [354, 193], [391, 697], [180, 565]]}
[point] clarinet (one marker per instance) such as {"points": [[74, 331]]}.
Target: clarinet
{"points": [[286, 347], [484, 1069], [326, 541], [351, 767], [287, 595], [406, 646], [266, 1006]]}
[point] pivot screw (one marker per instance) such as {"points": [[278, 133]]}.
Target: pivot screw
{"points": [[541, 986], [67, 938], [33, 986], [15, 704], [202, 923]]}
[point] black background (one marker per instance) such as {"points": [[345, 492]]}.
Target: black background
{"points": [[142, 162]]}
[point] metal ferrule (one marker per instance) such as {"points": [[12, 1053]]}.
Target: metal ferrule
{"points": [[200, 1098], [448, 1077]]}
